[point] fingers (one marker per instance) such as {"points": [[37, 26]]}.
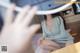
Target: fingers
{"points": [[25, 16], [53, 44], [9, 14], [49, 45], [29, 16], [22, 13], [40, 41], [33, 29], [49, 48]]}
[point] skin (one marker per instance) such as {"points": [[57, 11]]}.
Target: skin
{"points": [[17, 34], [47, 45], [49, 22]]}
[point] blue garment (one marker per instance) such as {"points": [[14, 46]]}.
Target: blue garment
{"points": [[43, 4]]}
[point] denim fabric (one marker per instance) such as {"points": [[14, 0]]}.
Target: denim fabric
{"points": [[43, 4]]}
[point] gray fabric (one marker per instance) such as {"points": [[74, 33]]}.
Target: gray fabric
{"points": [[58, 33]]}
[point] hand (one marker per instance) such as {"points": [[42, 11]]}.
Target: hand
{"points": [[17, 34], [48, 45]]}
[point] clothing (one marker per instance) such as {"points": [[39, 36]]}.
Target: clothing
{"points": [[58, 33], [43, 4]]}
